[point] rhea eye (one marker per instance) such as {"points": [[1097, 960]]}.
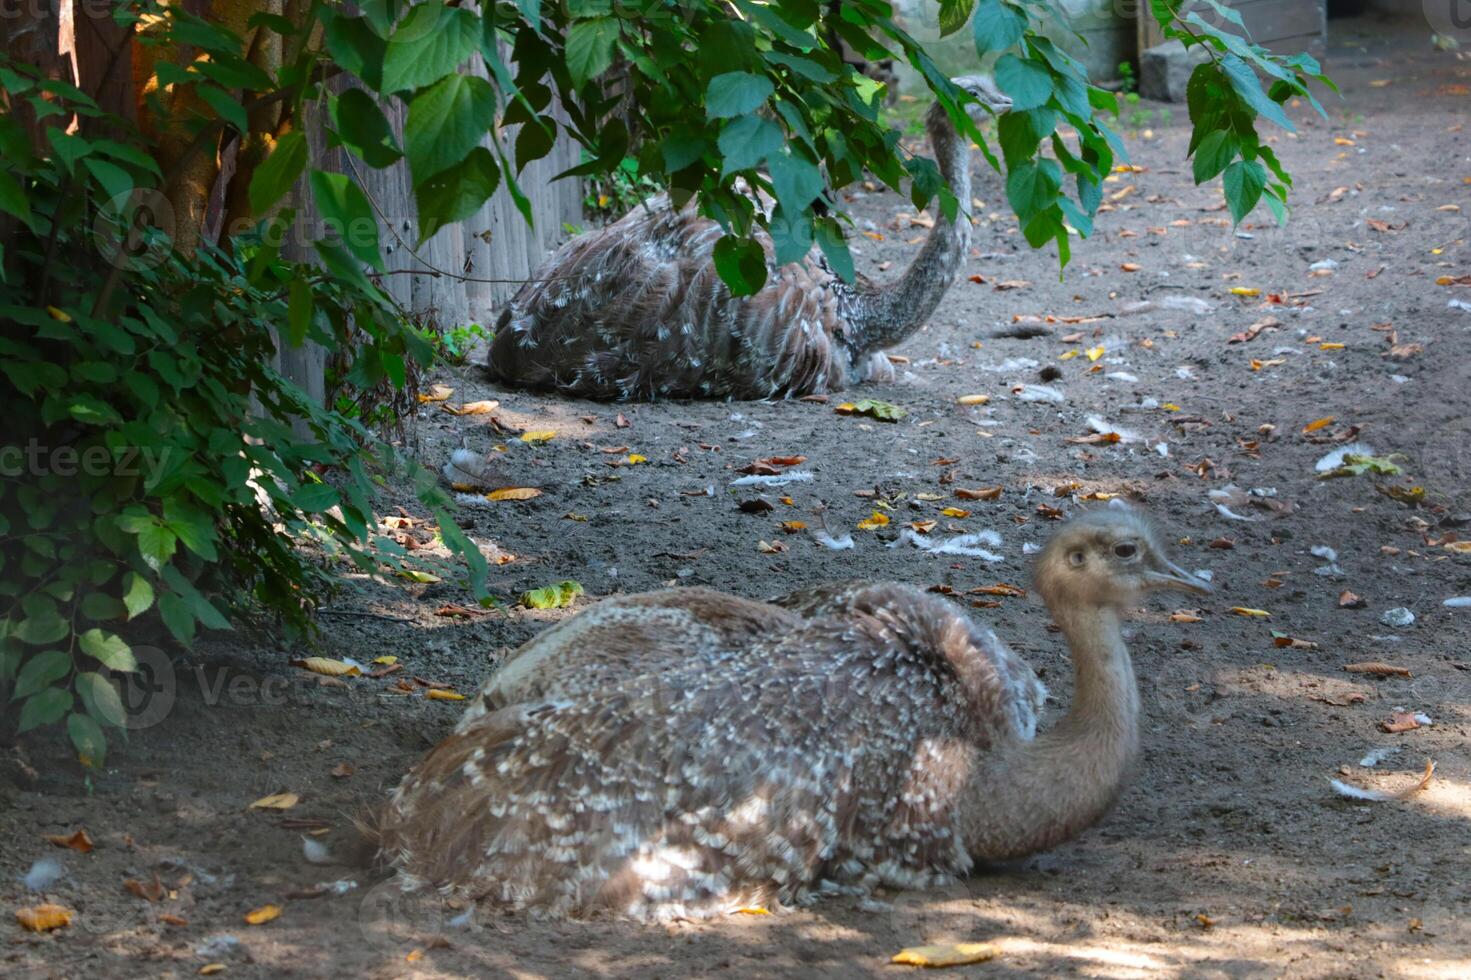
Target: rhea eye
{"points": [[1125, 550], [1076, 558]]}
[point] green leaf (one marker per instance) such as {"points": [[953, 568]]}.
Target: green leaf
{"points": [[746, 141], [736, 93], [177, 617], [275, 176], [40, 671], [835, 248], [345, 210], [883, 411], [300, 307], [954, 14], [137, 594], [44, 708], [430, 43], [100, 606], [1246, 84], [1033, 187], [1020, 132], [446, 122], [795, 180], [1213, 154], [363, 128], [553, 596], [156, 544], [996, 26], [315, 497], [535, 140], [100, 697], [741, 263], [42, 624], [455, 194], [87, 738], [116, 182], [1243, 181], [590, 48], [228, 108], [791, 234], [1028, 83], [109, 649], [682, 148], [13, 199], [355, 46]]}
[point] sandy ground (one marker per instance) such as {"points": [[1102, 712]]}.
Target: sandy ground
{"points": [[1230, 854]]}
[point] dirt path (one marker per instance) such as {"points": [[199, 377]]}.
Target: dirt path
{"points": [[1230, 855]]}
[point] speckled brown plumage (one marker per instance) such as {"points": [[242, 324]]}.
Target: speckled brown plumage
{"points": [[637, 310], [687, 752]]}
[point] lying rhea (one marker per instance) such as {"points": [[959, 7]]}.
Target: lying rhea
{"points": [[684, 753], [637, 309]]}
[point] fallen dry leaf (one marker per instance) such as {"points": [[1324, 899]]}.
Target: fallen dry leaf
{"points": [[149, 891], [262, 915], [985, 493], [949, 954], [1377, 669], [78, 841], [1186, 616], [43, 918], [879, 519], [472, 408], [436, 393], [1317, 424], [276, 801], [513, 493], [972, 399], [539, 436], [956, 513], [342, 770], [327, 666], [439, 694], [1255, 613], [1000, 588], [1350, 600], [1400, 721]]}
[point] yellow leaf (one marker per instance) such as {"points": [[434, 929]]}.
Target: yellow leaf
{"points": [[417, 575], [389, 660], [1317, 424], [1170, 407], [539, 435], [634, 459], [955, 512], [276, 801], [1094, 353], [43, 918], [439, 694], [210, 969], [325, 665], [1341, 141], [1068, 355], [792, 527], [950, 954], [513, 493], [929, 496], [414, 955], [1331, 345], [436, 393], [1449, 207], [262, 915], [473, 408], [750, 910], [1257, 613], [1131, 267], [972, 399], [59, 314], [1459, 547], [1245, 291], [879, 519]]}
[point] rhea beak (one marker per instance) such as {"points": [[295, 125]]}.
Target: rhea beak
{"points": [[1167, 575]]}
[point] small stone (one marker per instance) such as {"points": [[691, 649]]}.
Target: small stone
{"points": [[1164, 70], [1399, 616]]}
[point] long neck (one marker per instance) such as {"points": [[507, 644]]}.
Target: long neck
{"points": [[1042, 792], [896, 309]]}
